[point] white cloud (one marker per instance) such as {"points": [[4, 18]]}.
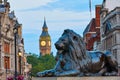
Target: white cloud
{"points": [[56, 19], [26, 4]]}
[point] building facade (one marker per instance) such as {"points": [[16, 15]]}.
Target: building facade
{"points": [[92, 32], [8, 22], [110, 27], [45, 41]]}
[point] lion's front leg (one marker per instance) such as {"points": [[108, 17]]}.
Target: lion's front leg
{"points": [[68, 73], [47, 73]]}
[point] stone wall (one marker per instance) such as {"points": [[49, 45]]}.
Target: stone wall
{"points": [[78, 78]]}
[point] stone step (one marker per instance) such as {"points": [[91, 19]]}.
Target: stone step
{"points": [[77, 78]]}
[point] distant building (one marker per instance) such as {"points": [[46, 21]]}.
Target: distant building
{"points": [[92, 32], [45, 40], [28, 67], [110, 27], [110, 4], [7, 53]]}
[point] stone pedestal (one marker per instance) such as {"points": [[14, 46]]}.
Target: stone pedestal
{"points": [[78, 78]]}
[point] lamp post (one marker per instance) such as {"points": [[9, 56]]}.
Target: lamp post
{"points": [[6, 68], [0, 41], [19, 54], [15, 30]]}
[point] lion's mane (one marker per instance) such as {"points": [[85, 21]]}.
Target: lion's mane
{"points": [[77, 50]]}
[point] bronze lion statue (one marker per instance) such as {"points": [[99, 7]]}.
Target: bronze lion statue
{"points": [[73, 59]]}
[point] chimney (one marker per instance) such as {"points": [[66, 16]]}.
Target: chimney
{"points": [[97, 15]]}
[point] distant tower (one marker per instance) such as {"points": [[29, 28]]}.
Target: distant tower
{"points": [[45, 40]]}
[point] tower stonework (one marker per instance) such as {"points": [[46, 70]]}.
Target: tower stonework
{"points": [[45, 41]]}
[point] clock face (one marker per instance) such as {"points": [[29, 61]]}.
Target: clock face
{"points": [[43, 43], [49, 43]]}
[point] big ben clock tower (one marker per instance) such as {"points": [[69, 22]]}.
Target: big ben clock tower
{"points": [[45, 40]]}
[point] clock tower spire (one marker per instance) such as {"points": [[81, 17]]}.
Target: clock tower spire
{"points": [[45, 40]]}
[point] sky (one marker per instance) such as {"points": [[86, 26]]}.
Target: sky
{"points": [[59, 14]]}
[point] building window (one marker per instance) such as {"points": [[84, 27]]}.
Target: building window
{"points": [[6, 48], [114, 39], [12, 62], [115, 53], [109, 42], [7, 62]]}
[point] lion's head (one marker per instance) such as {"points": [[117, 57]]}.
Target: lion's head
{"points": [[72, 44], [62, 45]]}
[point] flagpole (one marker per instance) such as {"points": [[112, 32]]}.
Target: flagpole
{"points": [[90, 9]]}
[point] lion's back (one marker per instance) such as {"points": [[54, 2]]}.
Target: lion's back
{"points": [[97, 60]]}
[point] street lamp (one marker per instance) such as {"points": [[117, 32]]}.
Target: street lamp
{"points": [[0, 42], [19, 54], [6, 68], [15, 30]]}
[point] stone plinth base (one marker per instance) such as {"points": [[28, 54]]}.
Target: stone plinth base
{"points": [[78, 78]]}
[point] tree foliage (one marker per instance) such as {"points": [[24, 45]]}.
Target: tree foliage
{"points": [[41, 63]]}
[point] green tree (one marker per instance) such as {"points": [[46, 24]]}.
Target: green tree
{"points": [[32, 59], [47, 62], [41, 63]]}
